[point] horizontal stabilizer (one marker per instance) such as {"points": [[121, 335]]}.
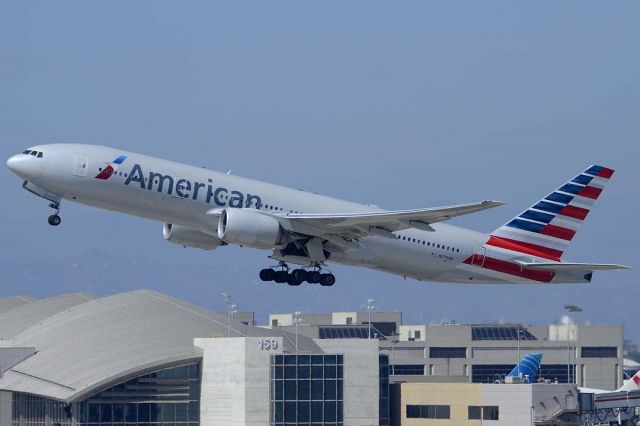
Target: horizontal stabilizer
{"points": [[565, 266]]}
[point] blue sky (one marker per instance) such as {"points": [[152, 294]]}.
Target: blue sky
{"points": [[404, 105]]}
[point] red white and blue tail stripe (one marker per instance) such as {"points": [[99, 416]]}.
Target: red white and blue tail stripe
{"points": [[546, 228]]}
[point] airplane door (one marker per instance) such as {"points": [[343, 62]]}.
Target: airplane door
{"points": [[80, 166], [479, 253]]}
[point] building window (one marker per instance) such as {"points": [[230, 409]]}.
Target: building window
{"points": [[428, 411], [475, 412], [490, 413], [599, 352], [408, 369], [166, 397], [416, 335], [447, 352], [384, 408], [274, 322], [306, 389], [349, 320]]}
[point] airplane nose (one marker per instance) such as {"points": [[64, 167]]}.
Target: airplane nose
{"points": [[20, 165]]}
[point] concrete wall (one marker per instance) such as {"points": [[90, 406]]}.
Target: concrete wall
{"points": [[236, 380], [457, 396], [409, 332], [361, 378], [5, 408], [515, 402]]}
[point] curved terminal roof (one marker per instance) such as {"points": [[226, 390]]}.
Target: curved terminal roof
{"points": [[8, 303], [16, 320], [95, 344]]}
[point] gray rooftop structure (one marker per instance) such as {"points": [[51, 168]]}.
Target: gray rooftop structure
{"points": [[8, 303], [93, 345], [18, 319]]}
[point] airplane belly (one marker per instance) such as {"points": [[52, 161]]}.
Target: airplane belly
{"points": [[396, 257]]}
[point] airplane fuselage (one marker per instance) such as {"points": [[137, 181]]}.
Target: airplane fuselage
{"points": [[181, 194]]}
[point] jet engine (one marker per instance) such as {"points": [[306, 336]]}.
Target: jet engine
{"points": [[190, 237], [249, 228]]}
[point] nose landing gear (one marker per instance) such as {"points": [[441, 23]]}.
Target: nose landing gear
{"points": [[54, 219], [297, 276]]}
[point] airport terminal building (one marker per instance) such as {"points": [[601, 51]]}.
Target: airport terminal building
{"points": [[145, 358], [587, 355]]}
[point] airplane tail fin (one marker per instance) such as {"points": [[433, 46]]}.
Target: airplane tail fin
{"points": [[546, 228], [529, 366], [632, 384]]}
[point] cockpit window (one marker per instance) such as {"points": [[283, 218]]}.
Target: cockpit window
{"points": [[37, 154]]}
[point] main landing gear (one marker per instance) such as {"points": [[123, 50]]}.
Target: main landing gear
{"points": [[297, 276], [54, 219]]}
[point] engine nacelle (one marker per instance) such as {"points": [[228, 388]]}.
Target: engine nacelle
{"points": [[249, 228], [190, 237]]}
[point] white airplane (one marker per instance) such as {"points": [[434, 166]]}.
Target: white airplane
{"points": [[633, 384], [205, 209]]}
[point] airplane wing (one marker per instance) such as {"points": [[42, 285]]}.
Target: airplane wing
{"points": [[345, 229], [563, 266], [350, 227]]}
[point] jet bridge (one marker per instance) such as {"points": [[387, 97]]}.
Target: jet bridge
{"points": [[617, 407]]}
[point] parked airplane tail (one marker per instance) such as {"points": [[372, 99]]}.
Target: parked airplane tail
{"points": [[632, 384], [546, 228], [529, 366]]}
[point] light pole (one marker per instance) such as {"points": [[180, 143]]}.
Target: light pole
{"points": [[518, 361], [231, 309], [371, 305], [569, 309], [297, 317]]}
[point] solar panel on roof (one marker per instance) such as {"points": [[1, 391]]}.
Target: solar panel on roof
{"points": [[500, 333]]}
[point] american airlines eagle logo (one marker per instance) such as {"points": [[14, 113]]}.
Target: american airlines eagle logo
{"points": [[108, 171]]}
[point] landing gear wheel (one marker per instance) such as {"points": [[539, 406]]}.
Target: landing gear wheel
{"points": [[281, 277], [54, 220], [299, 275], [314, 277], [327, 280], [293, 280], [267, 275]]}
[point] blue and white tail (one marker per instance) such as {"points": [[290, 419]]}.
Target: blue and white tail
{"points": [[546, 228], [529, 366]]}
